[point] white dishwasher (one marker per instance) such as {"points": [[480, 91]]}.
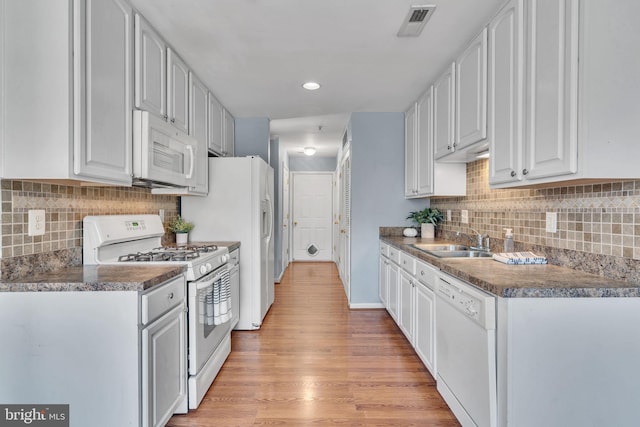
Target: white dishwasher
{"points": [[466, 351]]}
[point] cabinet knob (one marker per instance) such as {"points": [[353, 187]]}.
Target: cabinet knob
{"points": [[525, 171], [171, 295], [513, 174]]}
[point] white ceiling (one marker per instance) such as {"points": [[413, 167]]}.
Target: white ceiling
{"points": [[255, 54]]}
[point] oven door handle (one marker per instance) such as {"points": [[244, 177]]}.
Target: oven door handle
{"points": [[203, 284]]}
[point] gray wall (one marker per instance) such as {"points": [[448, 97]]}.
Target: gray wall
{"points": [[312, 164], [377, 195], [252, 137]]}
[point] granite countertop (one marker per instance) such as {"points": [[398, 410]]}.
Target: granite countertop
{"points": [[509, 281], [94, 278]]}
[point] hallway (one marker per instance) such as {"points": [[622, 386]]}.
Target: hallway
{"points": [[314, 362]]}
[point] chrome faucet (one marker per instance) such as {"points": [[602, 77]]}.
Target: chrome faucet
{"points": [[480, 239]]}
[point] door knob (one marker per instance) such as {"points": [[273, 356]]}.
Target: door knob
{"points": [[295, 222], [284, 225]]}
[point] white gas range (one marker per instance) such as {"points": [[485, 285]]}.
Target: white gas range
{"points": [[136, 239]]}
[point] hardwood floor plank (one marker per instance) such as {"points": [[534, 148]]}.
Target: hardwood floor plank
{"points": [[315, 362]]}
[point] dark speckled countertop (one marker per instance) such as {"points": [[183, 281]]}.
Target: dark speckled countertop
{"points": [[94, 278], [509, 281]]}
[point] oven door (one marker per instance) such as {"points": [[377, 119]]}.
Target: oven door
{"points": [[204, 334]]}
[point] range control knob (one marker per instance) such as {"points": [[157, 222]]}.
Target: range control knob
{"points": [[224, 258], [203, 269], [209, 266]]}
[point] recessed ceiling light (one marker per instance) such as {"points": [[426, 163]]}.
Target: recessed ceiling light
{"points": [[311, 86], [309, 151]]}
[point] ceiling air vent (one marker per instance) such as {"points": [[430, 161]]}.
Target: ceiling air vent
{"points": [[416, 19]]}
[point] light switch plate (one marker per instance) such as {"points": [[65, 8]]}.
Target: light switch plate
{"points": [[464, 216], [552, 222], [449, 215], [37, 224]]}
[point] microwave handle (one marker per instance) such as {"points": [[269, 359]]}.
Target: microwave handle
{"points": [[192, 161]]}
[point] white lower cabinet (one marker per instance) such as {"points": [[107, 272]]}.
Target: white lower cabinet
{"points": [[425, 316], [406, 307], [406, 286]]}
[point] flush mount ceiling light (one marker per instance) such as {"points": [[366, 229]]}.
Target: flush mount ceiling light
{"points": [[309, 151], [311, 85]]}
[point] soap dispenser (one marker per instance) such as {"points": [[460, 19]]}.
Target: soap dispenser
{"points": [[508, 240]]}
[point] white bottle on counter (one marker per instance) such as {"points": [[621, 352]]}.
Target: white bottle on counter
{"points": [[508, 240]]}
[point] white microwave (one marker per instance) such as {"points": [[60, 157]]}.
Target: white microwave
{"points": [[162, 154]]}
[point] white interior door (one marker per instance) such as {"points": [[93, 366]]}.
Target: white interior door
{"points": [[286, 218], [312, 216]]}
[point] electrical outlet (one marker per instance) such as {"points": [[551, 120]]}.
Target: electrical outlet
{"points": [[161, 213], [552, 222], [464, 216], [37, 224], [449, 215]]}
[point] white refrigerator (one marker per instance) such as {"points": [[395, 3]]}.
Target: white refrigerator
{"points": [[239, 207]]}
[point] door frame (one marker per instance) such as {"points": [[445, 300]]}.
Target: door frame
{"points": [[291, 207]]}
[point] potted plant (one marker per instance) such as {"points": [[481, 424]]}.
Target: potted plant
{"points": [[428, 219], [182, 228]]}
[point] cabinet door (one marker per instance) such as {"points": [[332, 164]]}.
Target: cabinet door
{"points": [[405, 309], [424, 145], [383, 280], [551, 88], [410, 152], [229, 134], [394, 279], [177, 91], [216, 121], [424, 342], [505, 93], [198, 110], [102, 135], [444, 112], [150, 69], [164, 381], [471, 93]]}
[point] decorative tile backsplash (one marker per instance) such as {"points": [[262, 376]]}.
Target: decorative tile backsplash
{"points": [[596, 218], [65, 207]]}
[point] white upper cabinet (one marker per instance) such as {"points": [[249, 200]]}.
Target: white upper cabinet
{"points": [[216, 123], [161, 77], [424, 160], [424, 177], [70, 64], [229, 146], [505, 93], [551, 88], [564, 90], [150, 69], [444, 112], [471, 93], [410, 189], [198, 112], [177, 91]]}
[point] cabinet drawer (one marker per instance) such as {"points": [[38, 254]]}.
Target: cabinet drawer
{"points": [[161, 299], [408, 263], [394, 254], [384, 249], [426, 274]]}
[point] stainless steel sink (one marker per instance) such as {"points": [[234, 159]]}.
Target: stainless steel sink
{"points": [[451, 250], [461, 254], [429, 247]]}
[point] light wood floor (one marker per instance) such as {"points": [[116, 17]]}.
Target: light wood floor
{"points": [[314, 362]]}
